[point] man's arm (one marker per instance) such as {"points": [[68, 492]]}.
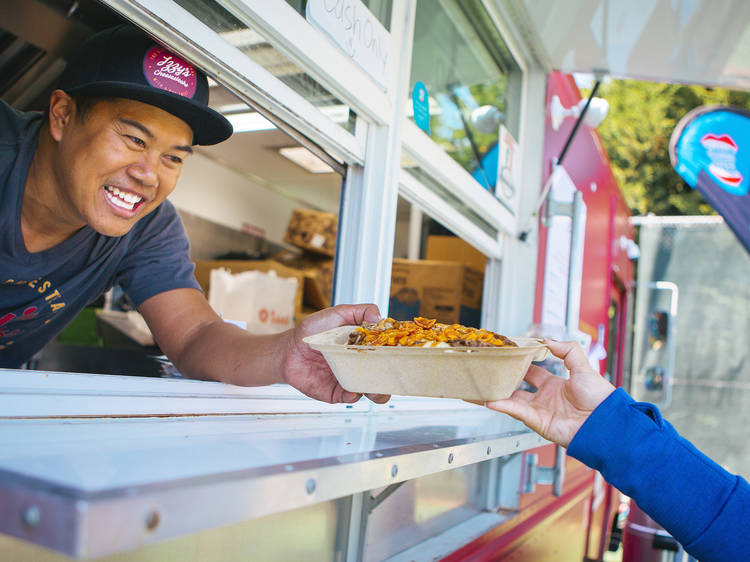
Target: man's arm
{"points": [[201, 345]]}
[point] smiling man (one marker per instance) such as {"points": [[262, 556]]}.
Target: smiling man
{"points": [[83, 193]]}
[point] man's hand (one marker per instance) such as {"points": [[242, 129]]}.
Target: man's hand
{"points": [[558, 408], [307, 370]]}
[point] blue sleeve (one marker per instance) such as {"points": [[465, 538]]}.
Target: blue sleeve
{"points": [[703, 506], [158, 257]]}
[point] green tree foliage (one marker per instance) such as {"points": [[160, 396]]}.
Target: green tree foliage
{"points": [[636, 132]]}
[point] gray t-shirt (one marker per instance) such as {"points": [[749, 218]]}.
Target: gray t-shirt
{"points": [[41, 292]]}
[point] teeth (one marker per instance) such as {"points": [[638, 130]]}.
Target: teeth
{"points": [[120, 198]]}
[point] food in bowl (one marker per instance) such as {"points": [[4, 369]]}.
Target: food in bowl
{"points": [[425, 332]]}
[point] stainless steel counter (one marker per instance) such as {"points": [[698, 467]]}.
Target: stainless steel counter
{"points": [[96, 464]]}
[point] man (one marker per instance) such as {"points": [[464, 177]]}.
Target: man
{"points": [[702, 505], [83, 192]]}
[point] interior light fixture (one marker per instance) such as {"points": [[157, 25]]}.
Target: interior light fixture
{"points": [[249, 121], [597, 111], [306, 159]]}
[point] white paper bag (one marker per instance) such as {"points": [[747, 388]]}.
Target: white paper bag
{"points": [[263, 300]]}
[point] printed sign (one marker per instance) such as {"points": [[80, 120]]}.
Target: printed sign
{"points": [[420, 102], [508, 171], [557, 272], [710, 149], [357, 32]]}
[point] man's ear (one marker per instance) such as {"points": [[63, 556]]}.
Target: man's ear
{"points": [[61, 112]]}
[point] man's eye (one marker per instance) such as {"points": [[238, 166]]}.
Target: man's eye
{"points": [[136, 140], [174, 159]]}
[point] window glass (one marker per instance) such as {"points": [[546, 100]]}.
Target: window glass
{"points": [[381, 9], [473, 83], [447, 196], [253, 44], [435, 273]]}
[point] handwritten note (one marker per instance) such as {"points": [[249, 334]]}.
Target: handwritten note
{"points": [[357, 32]]}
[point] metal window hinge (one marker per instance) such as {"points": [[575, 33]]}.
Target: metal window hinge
{"points": [[536, 474]]}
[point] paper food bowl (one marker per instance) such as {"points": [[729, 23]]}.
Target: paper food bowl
{"points": [[478, 374]]}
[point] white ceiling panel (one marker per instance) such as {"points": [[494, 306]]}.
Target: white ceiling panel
{"points": [[689, 41]]}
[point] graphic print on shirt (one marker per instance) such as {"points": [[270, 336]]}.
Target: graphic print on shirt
{"points": [[43, 303]]}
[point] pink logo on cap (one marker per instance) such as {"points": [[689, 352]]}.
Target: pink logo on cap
{"points": [[167, 71]]}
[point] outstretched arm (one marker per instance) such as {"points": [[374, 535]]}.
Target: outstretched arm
{"points": [[702, 505], [203, 346]]}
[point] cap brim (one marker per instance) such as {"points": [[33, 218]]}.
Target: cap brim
{"points": [[209, 126]]}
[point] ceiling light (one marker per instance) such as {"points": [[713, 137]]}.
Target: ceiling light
{"points": [[306, 159], [250, 121]]}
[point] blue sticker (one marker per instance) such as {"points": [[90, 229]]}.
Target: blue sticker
{"points": [[421, 104]]}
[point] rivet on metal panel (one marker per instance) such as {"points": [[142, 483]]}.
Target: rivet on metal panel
{"points": [[450, 458], [32, 515], [489, 450], [152, 520], [310, 486], [518, 444], [394, 470]]}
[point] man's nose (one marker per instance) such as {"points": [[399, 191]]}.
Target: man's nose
{"points": [[145, 170]]}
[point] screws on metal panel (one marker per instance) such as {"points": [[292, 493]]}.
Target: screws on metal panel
{"points": [[152, 520], [489, 450], [394, 470], [32, 515], [518, 444], [450, 458], [310, 486]]}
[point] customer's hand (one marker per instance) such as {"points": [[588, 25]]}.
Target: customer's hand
{"points": [[307, 370], [558, 408]]}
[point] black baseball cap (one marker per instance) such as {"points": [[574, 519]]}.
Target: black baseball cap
{"points": [[124, 62]]}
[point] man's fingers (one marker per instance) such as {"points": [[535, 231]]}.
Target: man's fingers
{"points": [[350, 397], [379, 398], [571, 353], [357, 313]]}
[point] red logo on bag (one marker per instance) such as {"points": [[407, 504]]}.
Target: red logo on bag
{"points": [[167, 71], [263, 315]]}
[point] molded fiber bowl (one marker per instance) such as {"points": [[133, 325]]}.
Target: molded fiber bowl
{"points": [[478, 374]]}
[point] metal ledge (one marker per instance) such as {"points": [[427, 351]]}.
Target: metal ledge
{"points": [[93, 486]]}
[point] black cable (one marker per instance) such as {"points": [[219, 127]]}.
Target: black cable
{"points": [[578, 123], [523, 235]]}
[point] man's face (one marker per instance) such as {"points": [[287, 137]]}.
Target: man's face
{"points": [[117, 163]]}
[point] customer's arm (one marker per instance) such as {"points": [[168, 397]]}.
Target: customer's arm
{"points": [[703, 506]]}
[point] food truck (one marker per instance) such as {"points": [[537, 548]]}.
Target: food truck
{"points": [[385, 115]]}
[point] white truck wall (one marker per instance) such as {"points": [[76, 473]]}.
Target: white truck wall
{"points": [[220, 195]]}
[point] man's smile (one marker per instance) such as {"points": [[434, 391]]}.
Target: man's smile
{"points": [[122, 199]]}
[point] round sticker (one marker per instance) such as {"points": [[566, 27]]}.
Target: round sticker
{"points": [[167, 71]]}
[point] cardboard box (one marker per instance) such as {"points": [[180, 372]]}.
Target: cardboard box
{"points": [[450, 292], [203, 273], [452, 248], [318, 272], [312, 230]]}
